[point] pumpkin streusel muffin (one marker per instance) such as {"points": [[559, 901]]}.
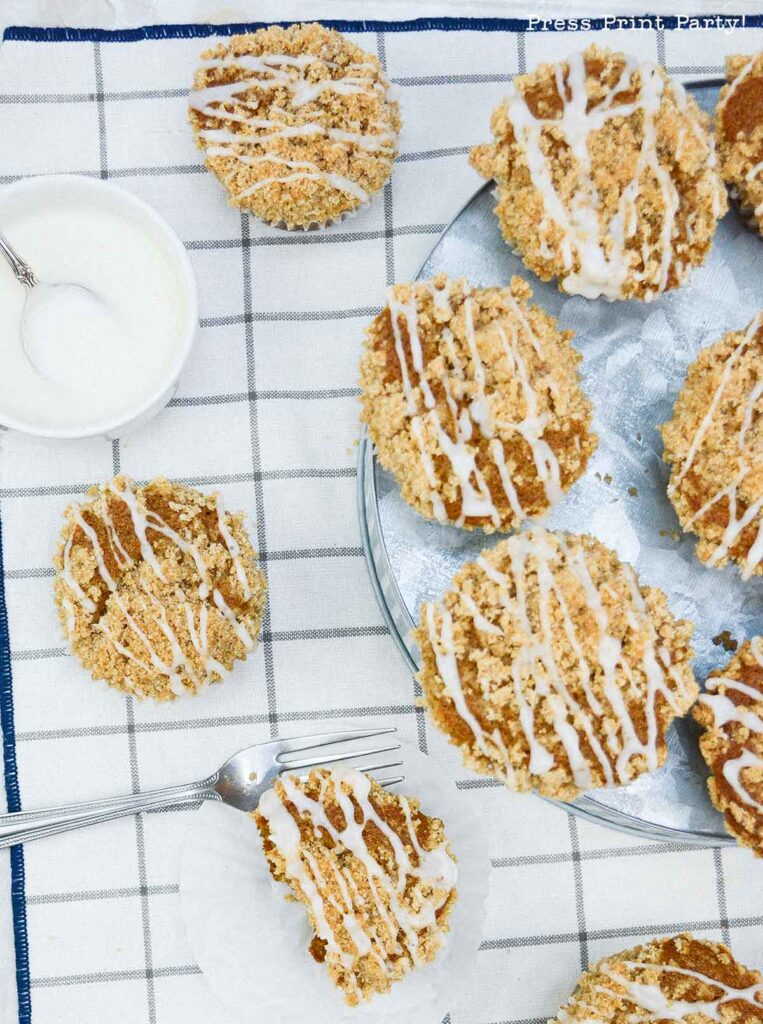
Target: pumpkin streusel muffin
{"points": [[731, 713], [551, 667], [157, 587], [714, 446], [606, 176], [739, 134], [376, 874], [676, 979], [297, 123], [473, 400]]}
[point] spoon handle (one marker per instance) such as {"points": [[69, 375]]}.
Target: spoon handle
{"points": [[21, 269]]}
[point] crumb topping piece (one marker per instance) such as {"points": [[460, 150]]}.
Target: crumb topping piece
{"points": [[739, 131], [677, 979], [714, 444], [606, 175], [473, 400], [157, 587], [552, 668], [297, 123], [377, 875], [731, 711]]}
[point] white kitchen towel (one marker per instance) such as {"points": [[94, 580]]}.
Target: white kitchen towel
{"points": [[267, 413]]}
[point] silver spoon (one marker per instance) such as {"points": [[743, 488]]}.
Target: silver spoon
{"points": [[54, 314], [21, 269]]}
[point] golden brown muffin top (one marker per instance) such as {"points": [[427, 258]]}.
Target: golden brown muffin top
{"points": [[731, 712], [606, 176], [677, 979], [739, 133], [714, 444], [473, 400], [298, 123], [376, 874], [157, 587], [551, 667]]}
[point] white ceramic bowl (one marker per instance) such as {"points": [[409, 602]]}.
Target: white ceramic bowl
{"points": [[53, 188]]}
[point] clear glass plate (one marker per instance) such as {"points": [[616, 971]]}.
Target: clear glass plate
{"points": [[635, 359]]}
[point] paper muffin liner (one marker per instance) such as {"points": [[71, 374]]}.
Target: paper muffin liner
{"points": [[251, 943], [315, 225]]}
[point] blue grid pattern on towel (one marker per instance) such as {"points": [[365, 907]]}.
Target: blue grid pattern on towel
{"points": [[378, 29]]}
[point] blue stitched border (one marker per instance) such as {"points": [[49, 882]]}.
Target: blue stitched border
{"points": [[131, 35], [18, 897]]}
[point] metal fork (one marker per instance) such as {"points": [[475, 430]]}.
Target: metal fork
{"points": [[240, 782]]}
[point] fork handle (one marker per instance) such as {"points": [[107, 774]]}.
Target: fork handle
{"points": [[25, 826]]}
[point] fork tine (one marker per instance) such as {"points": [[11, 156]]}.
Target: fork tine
{"points": [[309, 762], [294, 744], [368, 768], [391, 781]]}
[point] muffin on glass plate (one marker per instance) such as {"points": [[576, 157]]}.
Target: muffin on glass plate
{"points": [[376, 874], [298, 123], [157, 587], [473, 400], [677, 979], [714, 445], [731, 713], [606, 176], [552, 668], [739, 134]]}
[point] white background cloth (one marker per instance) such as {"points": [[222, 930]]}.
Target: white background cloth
{"points": [[267, 413]]}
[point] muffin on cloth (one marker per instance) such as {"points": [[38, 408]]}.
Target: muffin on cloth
{"points": [[731, 712], [714, 445], [552, 668], [157, 587], [676, 979], [473, 400], [376, 874], [297, 123], [606, 176], [739, 134]]}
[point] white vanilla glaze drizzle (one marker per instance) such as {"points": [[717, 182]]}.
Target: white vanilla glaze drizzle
{"points": [[659, 1006], [394, 898], [603, 262], [725, 711], [71, 618], [143, 520], [454, 443], [752, 174], [269, 72], [233, 549], [536, 661], [736, 523]]}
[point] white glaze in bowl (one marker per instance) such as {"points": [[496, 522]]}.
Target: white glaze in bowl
{"points": [[145, 250]]}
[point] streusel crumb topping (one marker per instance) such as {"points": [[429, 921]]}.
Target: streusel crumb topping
{"points": [[157, 587], [606, 176], [376, 874], [297, 123], [552, 668], [473, 400]]}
